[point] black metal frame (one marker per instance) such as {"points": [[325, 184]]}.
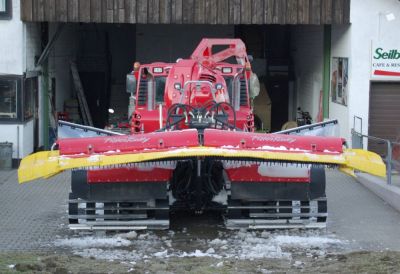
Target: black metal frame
{"points": [[7, 15], [19, 98]]}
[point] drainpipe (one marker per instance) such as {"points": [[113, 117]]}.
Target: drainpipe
{"points": [[327, 70]]}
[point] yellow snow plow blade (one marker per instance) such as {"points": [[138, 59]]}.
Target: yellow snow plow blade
{"points": [[48, 163]]}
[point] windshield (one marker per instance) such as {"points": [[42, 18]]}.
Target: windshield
{"points": [[160, 88]]}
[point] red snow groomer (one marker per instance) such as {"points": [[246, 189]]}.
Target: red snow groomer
{"points": [[192, 147]]}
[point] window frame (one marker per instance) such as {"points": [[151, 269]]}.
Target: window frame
{"points": [[19, 118], [7, 15]]}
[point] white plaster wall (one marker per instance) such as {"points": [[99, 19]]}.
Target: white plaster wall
{"points": [[11, 42], [341, 47], [307, 49], [366, 16], [23, 145], [14, 60], [32, 45]]}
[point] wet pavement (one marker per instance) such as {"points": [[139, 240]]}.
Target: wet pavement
{"points": [[33, 217]]}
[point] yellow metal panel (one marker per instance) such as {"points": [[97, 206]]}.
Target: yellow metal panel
{"points": [[49, 163]]}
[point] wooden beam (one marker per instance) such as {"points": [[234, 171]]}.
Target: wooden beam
{"points": [[291, 12], [211, 11], [257, 12], [188, 12], [84, 11], [326, 12], [62, 10], [234, 12], [176, 11], [73, 11], [50, 10], [110, 11], [245, 12], [95, 11], [316, 12], [27, 10], [346, 11], [199, 12], [337, 12], [165, 11], [269, 11], [304, 12], [142, 11], [130, 11], [40, 10], [121, 11], [223, 12]]}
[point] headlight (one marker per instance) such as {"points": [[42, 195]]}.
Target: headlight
{"points": [[177, 86], [157, 70], [227, 70], [218, 86]]}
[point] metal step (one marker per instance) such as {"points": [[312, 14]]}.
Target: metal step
{"points": [[276, 214], [111, 215], [271, 224], [119, 225]]}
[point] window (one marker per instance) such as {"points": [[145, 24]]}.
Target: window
{"points": [[8, 98], [5, 9], [160, 88]]}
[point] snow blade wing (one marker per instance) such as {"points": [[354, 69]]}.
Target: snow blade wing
{"points": [[119, 151]]}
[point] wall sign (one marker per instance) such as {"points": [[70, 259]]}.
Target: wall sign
{"points": [[339, 80], [385, 62]]}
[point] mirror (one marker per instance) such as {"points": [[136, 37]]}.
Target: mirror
{"points": [[131, 84]]}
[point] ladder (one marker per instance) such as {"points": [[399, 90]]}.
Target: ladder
{"points": [[87, 118]]}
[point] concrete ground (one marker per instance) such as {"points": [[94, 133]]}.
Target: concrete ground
{"points": [[33, 215], [388, 192]]}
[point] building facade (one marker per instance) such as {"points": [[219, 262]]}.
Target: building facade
{"points": [[336, 59]]}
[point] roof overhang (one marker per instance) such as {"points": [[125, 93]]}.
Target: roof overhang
{"points": [[284, 12]]}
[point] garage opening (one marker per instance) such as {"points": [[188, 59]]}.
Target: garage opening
{"points": [[105, 53]]}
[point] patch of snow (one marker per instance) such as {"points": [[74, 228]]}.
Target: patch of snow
{"points": [[283, 171], [298, 263], [242, 244], [221, 197], [87, 242], [218, 242], [111, 254], [161, 254], [198, 253], [307, 241], [93, 158], [281, 148], [210, 250], [129, 235]]}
